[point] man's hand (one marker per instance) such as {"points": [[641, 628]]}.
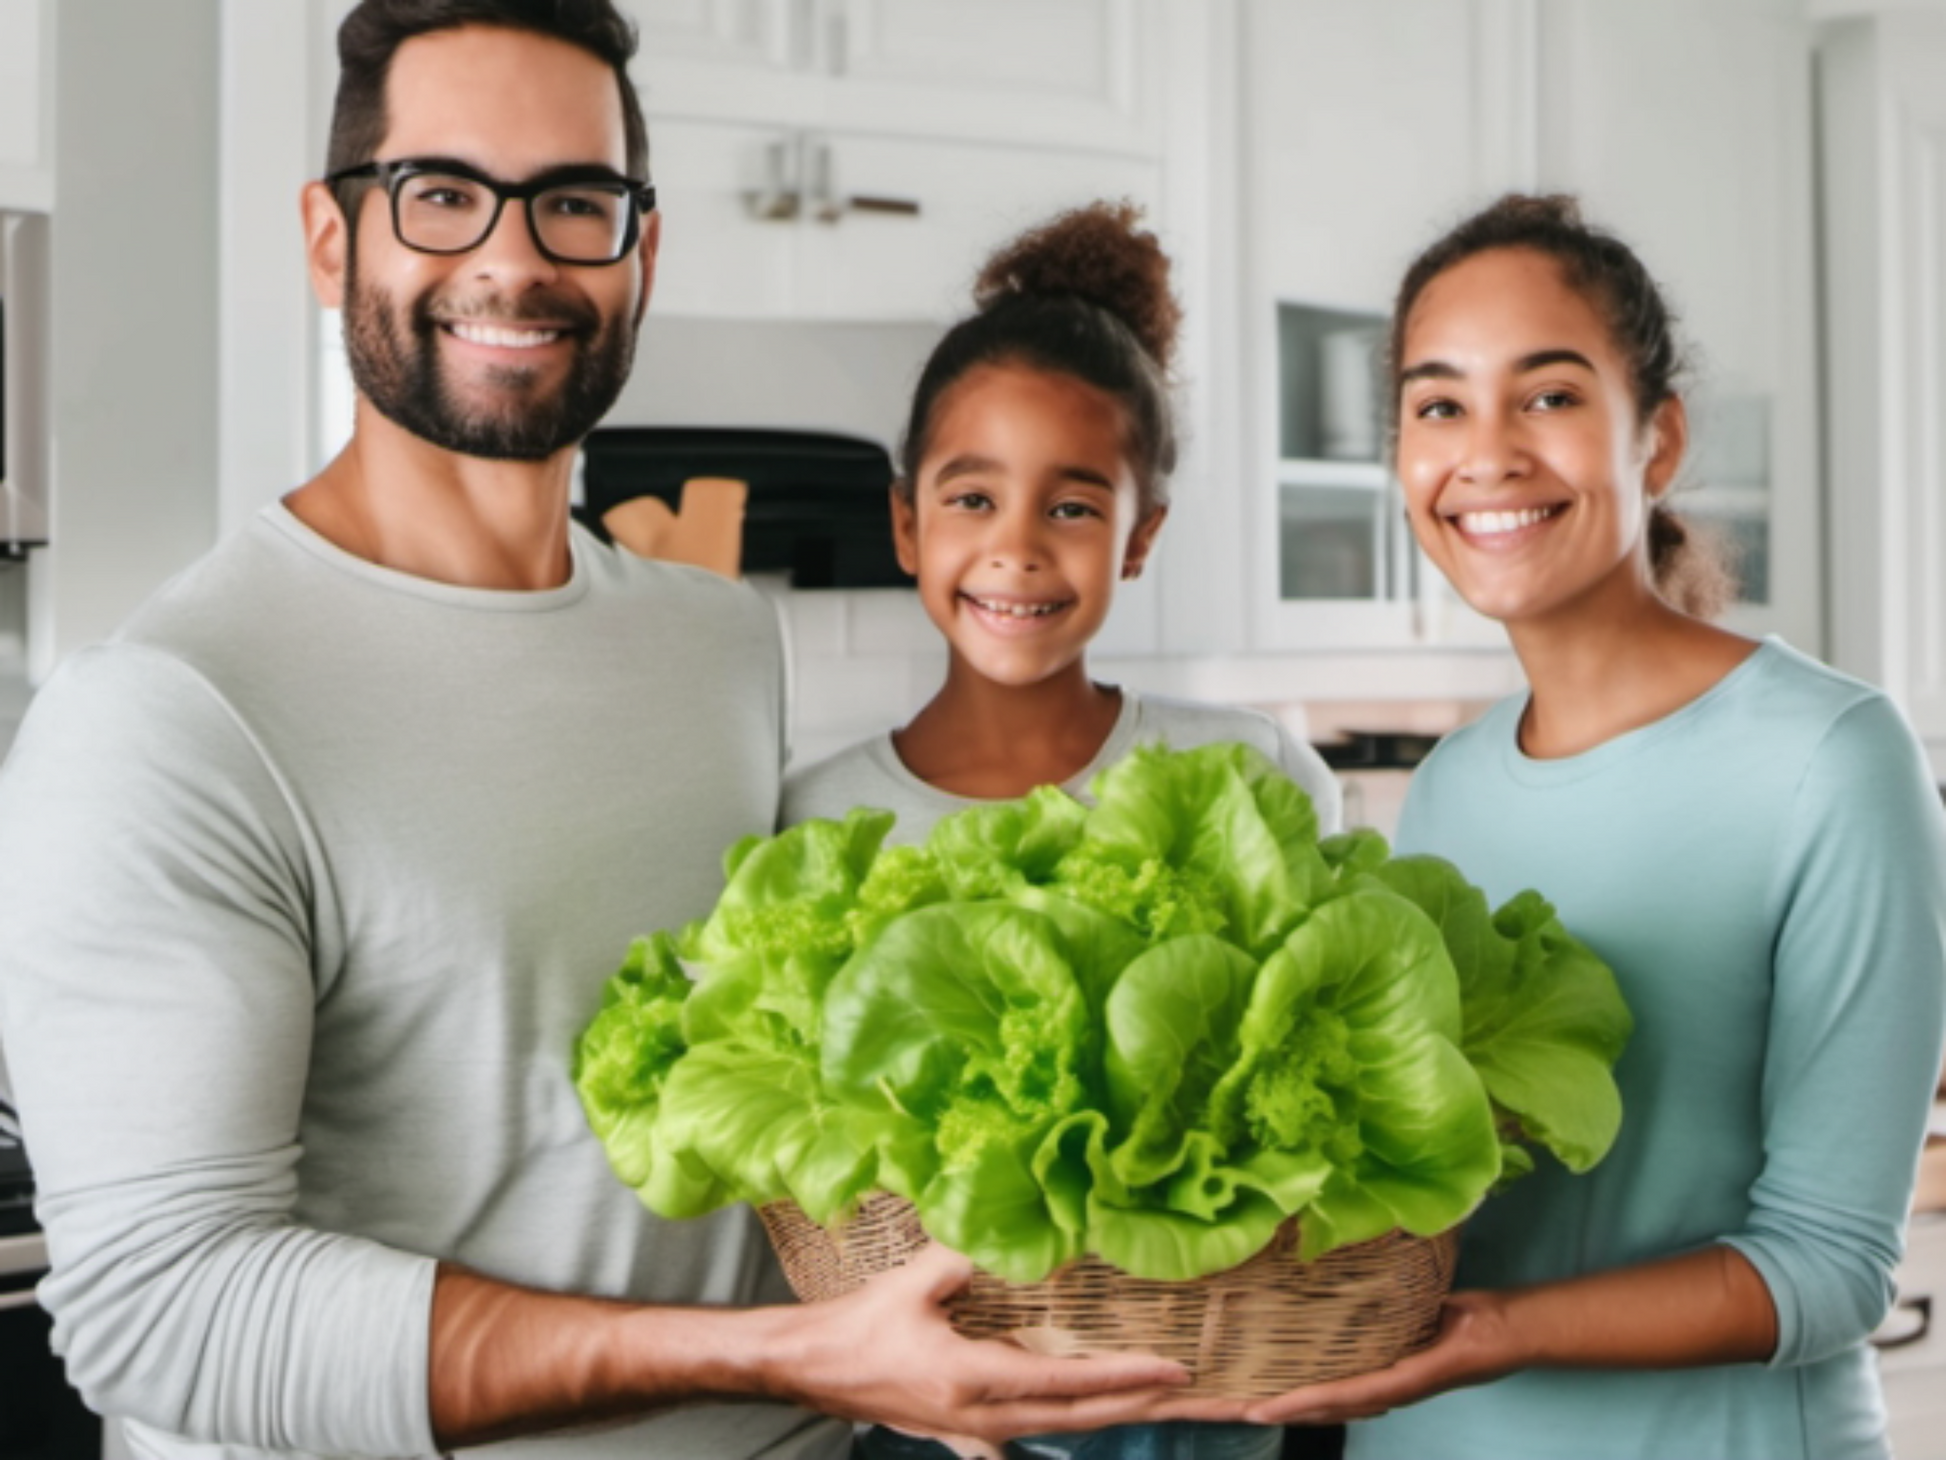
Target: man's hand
{"points": [[887, 1353]]}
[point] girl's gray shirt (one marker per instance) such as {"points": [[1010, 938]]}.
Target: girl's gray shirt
{"points": [[870, 773]]}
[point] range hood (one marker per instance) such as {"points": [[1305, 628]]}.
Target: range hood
{"points": [[817, 508]]}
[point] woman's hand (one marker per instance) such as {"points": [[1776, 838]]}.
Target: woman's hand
{"points": [[1475, 1343], [1708, 1306]]}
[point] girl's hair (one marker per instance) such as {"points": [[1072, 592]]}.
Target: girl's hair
{"points": [[1689, 566], [1085, 294]]}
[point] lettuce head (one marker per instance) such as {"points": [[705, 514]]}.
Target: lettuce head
{"points": [[1151, 1029]]}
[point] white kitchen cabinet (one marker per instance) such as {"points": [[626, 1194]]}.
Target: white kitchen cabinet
{"points": [[27, 105], [762, 224], [854, 159], [1911, 1344], [1882, 94], [1371, 129], [1366, 128], [1688, 129], [1061, 73]]}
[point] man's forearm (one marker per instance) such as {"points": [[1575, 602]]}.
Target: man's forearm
{"points": [[509, 1361]]}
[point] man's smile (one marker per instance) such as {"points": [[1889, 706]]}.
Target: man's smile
{"points": [[503, 337]]}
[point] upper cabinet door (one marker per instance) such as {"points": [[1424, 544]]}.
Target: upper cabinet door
{"points": [[1069, 73], [1688, 129], [1882, 116], [1366, 128], [762, 223], [904, 225], [27, 105], [729, 60], [1061, 73]]}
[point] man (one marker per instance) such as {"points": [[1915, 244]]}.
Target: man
{"points": [[312, 874]]}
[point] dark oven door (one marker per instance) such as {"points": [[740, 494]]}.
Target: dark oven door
{"points": [[41, 1418]]}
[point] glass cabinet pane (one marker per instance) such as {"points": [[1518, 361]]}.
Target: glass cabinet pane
{"points": [[1333, 539], [1341, 531], [1724, 486]]}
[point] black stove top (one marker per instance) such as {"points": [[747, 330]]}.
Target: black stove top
{"points": [[16, 1179]]}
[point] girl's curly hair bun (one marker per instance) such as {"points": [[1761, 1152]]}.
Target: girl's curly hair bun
{"points": [[1099, 253]]}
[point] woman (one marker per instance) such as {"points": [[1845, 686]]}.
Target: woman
{"points": [[1751, 841]]}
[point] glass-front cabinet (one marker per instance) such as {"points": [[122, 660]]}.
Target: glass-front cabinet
{"points": [[1724, 487], [1339, 530], [1337, 550]]}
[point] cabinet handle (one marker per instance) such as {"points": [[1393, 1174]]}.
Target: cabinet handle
{"points": [[780, 198], [826, 205], [829, 205], [906, 207], [1921, 1308]]}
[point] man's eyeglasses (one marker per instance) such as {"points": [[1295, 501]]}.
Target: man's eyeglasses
{"points": [[577, 215]]}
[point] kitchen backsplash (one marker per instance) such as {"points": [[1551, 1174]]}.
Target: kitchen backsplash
{"points": [[863, 661]]}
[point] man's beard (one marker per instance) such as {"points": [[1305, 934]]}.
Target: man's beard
{"points": [[395, 363]]}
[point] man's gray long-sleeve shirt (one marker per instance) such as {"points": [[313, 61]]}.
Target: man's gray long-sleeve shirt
{"points": [[308, 881]]}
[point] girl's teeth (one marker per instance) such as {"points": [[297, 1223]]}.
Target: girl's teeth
{"points": [[508, 339], [1017, 610], [1487, 523]]}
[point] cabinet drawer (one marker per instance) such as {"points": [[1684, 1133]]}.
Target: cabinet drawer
{"points": [[1913, 1335], [1911, 1344], [1915, 1403]]}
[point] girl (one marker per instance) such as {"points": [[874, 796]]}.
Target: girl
{"points": [[1034, 479], [1751, 841]]}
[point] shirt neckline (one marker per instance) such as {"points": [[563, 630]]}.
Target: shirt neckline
{"points": [[294, 529], [1120, 734], [1554, 770]]}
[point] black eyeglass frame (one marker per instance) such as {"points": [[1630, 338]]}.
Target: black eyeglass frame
{"points": [[389, 175]]}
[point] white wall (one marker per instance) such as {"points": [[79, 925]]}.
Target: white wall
{"points": [[133, 375]]}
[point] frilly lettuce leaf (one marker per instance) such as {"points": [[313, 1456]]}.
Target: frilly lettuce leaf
{"points": [[786, 913], [1544, 1019], [1211, 840], [968, 1021], [622, 1063], [1351, 1049], [999, 849]]}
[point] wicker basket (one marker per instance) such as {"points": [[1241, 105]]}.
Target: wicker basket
{"points": [[1258, 1329]]}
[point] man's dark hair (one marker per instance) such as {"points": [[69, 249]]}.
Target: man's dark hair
{"points": [[372, 34]]}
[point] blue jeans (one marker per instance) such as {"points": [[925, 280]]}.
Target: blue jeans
{"points": [[1123, 1442]]}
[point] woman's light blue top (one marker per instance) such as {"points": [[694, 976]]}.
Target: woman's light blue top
{"points": [[1765, 870]]}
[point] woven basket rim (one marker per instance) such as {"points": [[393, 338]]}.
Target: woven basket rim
{"points": [[1259, 1328]]}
